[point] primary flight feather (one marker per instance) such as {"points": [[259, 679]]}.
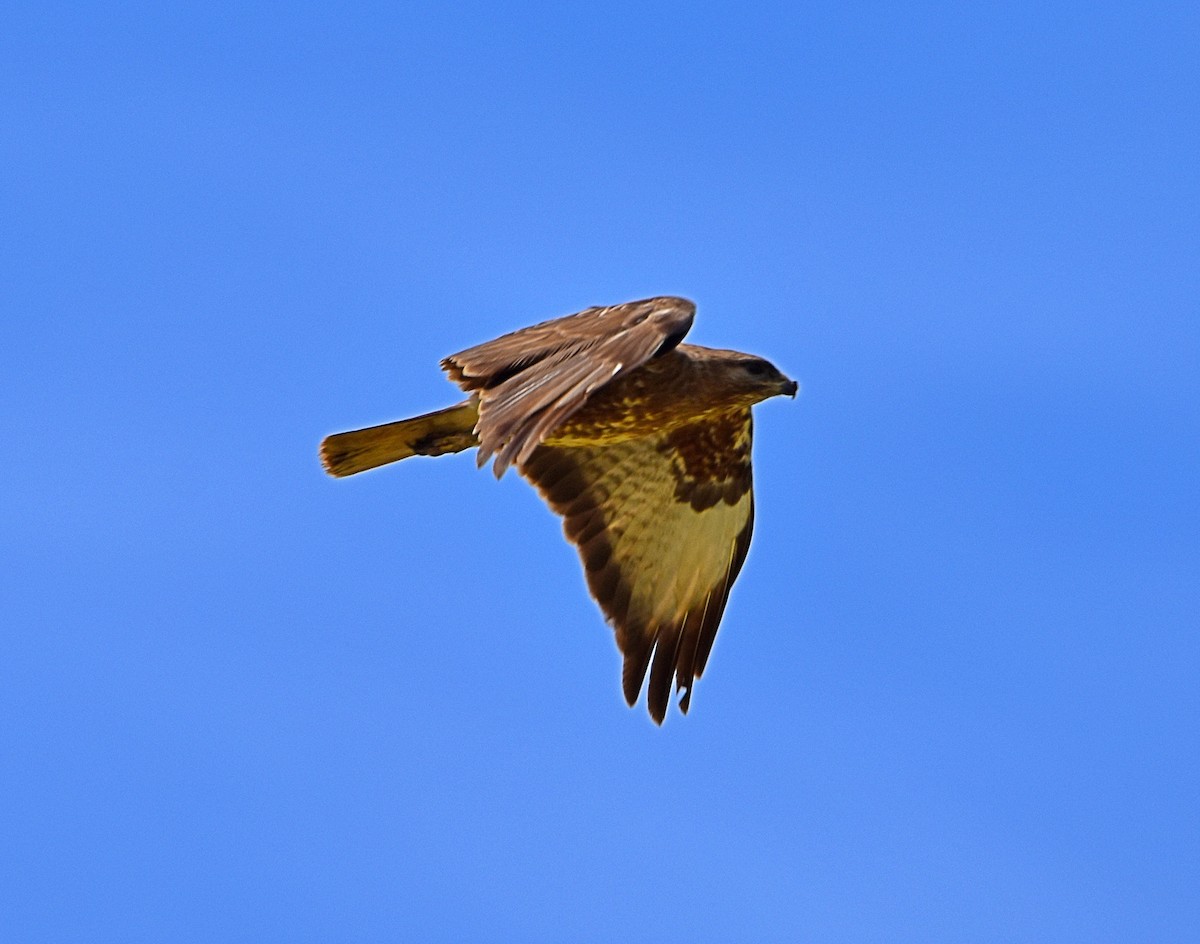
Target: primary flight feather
{"points": [[640, 442]]}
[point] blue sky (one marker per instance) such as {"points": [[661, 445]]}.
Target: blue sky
{"points": [[955, 694]]}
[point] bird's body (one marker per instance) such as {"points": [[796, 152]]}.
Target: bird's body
{"points": [[658, 396], [640, 442]]}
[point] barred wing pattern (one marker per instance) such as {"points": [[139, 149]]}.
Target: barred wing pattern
{"points": [[662, 540]]}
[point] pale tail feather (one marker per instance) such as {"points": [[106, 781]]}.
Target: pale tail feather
{"points": [[434, 434]]}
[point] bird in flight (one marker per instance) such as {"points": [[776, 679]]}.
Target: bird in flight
{"points": [[640, 442]]}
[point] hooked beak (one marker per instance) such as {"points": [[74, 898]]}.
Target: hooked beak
{"points": [[790, 388]]}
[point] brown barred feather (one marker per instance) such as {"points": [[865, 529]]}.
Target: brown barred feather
{"points": [[627, 507]]}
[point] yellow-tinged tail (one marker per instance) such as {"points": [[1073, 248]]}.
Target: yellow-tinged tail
{"points": [[434, 434]]}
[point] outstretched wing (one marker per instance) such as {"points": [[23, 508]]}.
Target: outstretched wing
{"points": [[663, 525], [532, 380]]}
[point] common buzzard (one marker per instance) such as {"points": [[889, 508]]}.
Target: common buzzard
{"points": [[640, 442]]}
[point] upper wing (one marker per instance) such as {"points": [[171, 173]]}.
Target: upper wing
{"points": [[663, 525], [531, 380]]}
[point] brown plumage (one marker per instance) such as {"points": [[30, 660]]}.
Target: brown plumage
{"points": [[642, 445]]}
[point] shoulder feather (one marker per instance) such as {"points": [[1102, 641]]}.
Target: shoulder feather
{"points": [[530, 381]]}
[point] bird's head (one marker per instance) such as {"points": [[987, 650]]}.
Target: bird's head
{"points": [[752, 378]]}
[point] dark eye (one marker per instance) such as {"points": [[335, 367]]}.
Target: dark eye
{"points": [[756, 368]]}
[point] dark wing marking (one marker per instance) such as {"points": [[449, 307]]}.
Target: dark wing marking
{"points": [[530, 381], [659, 564]]}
